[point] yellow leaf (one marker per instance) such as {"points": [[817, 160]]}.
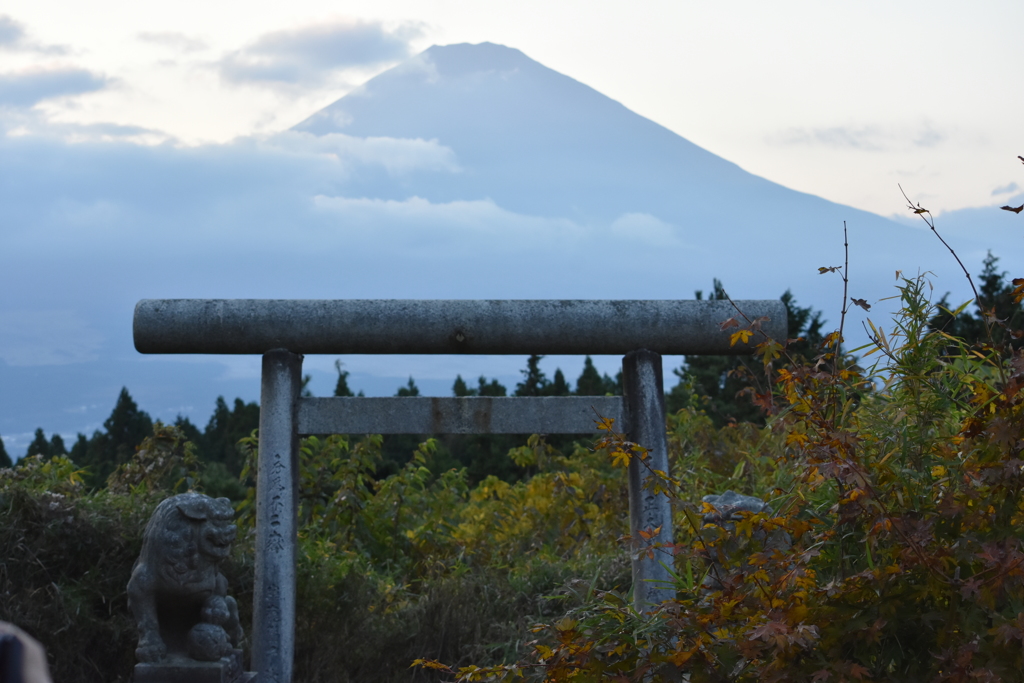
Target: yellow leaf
{"points": [[740, 336]]}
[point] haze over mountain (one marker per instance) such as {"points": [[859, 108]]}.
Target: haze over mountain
{"points": [[469, 171]]}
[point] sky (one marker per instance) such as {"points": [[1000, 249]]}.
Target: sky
{"points": [[840, 100], [145, 141]]}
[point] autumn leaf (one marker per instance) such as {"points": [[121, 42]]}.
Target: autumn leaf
{"points": [[828, 269], [726, 324], [862, 303], [741, 336], [620, 458]]}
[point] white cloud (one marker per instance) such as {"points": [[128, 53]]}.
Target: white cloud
{"points": [[867, 138], [645, 229], [396, 155], [14, 38], [28, 87], [446, 227], [310, 54]]}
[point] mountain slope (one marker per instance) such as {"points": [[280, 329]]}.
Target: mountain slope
{"points": [[536, 141]]}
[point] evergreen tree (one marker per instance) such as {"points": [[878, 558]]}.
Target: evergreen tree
{"points": [[5, 460], [409, 390], [558, 386], [534, 382], [191, 433], [39, 445], [341, 388], [226, 427], [80, 450], [996, 297], [460, 388], [592, 383], [57, 446], [125, 429], [492, 388]]}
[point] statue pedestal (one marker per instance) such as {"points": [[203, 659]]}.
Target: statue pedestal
{"points": [[182, 670]]}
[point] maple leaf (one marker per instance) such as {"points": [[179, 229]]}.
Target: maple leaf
{"points": [[858, 671], [741, 336], [828, 269], [726, 324], [620, 458], [1015, 209]]}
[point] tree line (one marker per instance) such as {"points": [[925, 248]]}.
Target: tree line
{"points": [[722, 386]]}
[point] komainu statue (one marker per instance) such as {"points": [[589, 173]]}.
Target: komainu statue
{"points": [[179, 596]]}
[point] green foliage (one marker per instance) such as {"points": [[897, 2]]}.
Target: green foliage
{"points": [[893, 550], [126, 427], [67, 554], [998, 303]]}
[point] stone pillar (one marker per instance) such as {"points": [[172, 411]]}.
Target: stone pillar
{"points": [[644, 394], [273, 637]]}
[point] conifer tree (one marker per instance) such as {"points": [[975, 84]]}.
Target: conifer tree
{"points": [[39, 445], [534, 383], [125, 429], [592, 383], [341, 388], [558, 386], [409, 390], [996, 297], [492, 388], [460, 388], [5, 460]]}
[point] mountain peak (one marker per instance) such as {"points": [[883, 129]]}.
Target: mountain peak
{"points": [[464, 58]]}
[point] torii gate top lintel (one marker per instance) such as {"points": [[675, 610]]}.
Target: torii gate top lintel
{"points": [[452, 326]]}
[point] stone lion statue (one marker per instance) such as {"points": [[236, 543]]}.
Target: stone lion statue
{"points": [[177, 593]]}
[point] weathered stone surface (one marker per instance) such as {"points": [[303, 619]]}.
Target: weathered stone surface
{"points": [[228, 669], [187, 622], [728, 509]]}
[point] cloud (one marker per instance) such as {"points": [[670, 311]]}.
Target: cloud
{"points": [[396, 155], [1006, 189], [645, 229], [31, 86], [11, 32], [867, 138], [173, 40], [13, 37], [864, 138], [310, 54]]}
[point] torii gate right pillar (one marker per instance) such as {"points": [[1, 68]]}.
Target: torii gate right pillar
{"points": [[650, 512]]}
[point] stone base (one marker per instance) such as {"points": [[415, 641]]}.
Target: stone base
{"points": [[182, 670]]}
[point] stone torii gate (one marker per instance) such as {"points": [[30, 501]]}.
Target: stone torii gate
{"points": [[283, 330]]}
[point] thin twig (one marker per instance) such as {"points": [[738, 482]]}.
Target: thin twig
{"points": [[842, 314], [921, 211]]}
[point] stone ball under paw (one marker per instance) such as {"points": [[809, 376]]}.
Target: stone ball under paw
{"points": [[207, 642]]}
